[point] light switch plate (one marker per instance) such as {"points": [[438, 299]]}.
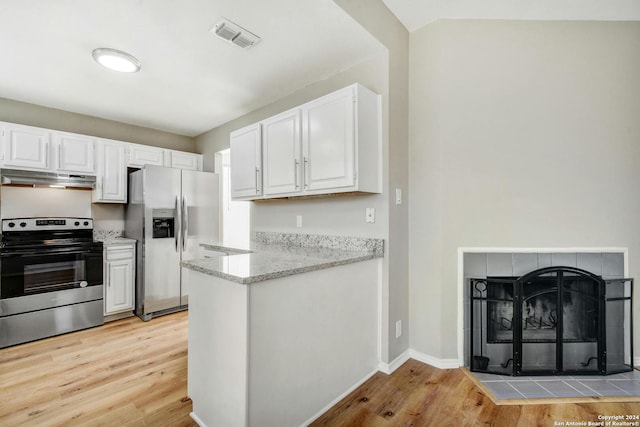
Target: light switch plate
{"points": [[299, 221], [398, 196]]}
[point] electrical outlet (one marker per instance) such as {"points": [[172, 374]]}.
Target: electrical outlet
{"points": [[370, 215], [299, 221], [398, 328]]}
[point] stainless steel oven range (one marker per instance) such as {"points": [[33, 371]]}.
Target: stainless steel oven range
{"points": [[50, 278]]}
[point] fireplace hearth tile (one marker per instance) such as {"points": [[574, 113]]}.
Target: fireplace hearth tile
{"points": [[502, 387], [560, 389], [604, 388], [503, 390], [531, 390]]}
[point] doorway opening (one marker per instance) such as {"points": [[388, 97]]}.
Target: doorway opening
{"points": [[235, 216]]}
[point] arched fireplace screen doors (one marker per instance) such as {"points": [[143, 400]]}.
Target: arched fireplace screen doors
{"points": [[552, 321]]}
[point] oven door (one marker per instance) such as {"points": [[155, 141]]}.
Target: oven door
{"points": [[39, 270]]}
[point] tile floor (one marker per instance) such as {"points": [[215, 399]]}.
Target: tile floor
{"points": [[505, 387]]}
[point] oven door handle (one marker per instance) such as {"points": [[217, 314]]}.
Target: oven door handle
{"points": [[37, 253]]}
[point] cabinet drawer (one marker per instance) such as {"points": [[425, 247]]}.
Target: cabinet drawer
{"points": [[119, 253]]}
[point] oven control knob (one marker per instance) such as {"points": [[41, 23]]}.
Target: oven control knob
{"points": [[77, 223], [23, 224], [83, 284], [12, 224], [86, 223]]}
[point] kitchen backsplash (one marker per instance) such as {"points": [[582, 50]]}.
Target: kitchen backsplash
{"points": [[21, 202]]}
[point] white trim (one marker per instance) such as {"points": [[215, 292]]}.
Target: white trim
{"points": [[434, 361], [636, 362], [336, 400], [389, 368], [380, 308], [460, 287], [197, 420]]}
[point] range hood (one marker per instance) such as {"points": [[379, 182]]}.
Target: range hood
{"points": [[46, 179]]}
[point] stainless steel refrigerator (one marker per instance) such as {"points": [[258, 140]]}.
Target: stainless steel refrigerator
{"points": [[170, 213]]}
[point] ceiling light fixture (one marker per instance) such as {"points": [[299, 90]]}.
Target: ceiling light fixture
{"points": [[116, 60], [234, 33]]}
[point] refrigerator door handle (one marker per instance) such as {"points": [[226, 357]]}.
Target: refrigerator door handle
{"points": [[185, 223], [176, 229]]}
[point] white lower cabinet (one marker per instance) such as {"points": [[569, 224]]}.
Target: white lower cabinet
{"points": [[119, 278]]}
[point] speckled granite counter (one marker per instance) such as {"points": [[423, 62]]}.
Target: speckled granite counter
{"points": [[273, 255], [111, 237]]}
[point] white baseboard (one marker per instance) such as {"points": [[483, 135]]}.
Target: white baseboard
{"points": [[388, 368], [636, 362], [333, 402], [198, 421], [434, 361]]}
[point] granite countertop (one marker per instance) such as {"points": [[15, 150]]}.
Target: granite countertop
{"points": [[270, 258], [111, 241], [111, 237]]}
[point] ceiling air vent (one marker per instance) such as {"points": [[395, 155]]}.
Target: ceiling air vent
{"points": [[234, 33]]}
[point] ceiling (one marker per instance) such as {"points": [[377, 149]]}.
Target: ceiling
{"points": [[415, 14], [191, 81]]}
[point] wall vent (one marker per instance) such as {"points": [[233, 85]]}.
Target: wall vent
{"points": [[234, 33]]}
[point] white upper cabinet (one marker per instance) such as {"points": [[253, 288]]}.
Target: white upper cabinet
{"points": [[329, 141], [111, 180], [140, 155], [28, 147], [182, 160], [25, 146], [329, 145], [246, 162], [74, 153], [281, 149]]}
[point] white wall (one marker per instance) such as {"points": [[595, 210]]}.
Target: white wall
{"points": [[522, 134]]}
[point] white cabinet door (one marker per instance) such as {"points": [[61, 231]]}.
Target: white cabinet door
{"points": [[182, 160], [281, 146], [111, 185], [25, 147], [246, 163], [328, 138], [140, 155], [119, 280], [75, 153]]}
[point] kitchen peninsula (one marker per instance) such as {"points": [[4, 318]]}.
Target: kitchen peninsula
{"points": [[293, 314]]}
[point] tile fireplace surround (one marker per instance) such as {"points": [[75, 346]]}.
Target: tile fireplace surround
{"points": [[609, 263]]}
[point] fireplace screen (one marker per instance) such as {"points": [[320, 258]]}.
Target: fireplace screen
{"points": [[555, 320]]}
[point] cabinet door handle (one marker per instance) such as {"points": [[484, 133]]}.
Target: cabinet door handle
{"points": [[304, 172], [46, 155], [108, 275], [60, 156], [257, 178], [295, 172]]}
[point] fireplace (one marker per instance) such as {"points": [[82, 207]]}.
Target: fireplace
{"points": [[551, 321]]}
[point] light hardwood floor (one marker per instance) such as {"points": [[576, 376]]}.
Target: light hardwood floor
{"points": [[132, 373], [125, 373]]}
